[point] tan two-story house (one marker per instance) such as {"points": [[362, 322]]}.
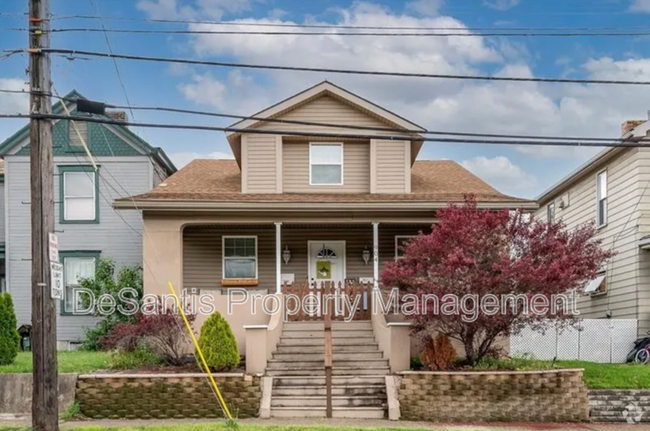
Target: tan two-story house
{"points": [[300, 204], [612, 190]]}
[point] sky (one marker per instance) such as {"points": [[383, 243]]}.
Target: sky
{"points": [[448, 105]]}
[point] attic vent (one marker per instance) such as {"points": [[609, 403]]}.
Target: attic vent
{"points": [[82, 127]]}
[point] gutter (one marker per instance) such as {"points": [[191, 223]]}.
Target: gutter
{"points": [[162, 205]]}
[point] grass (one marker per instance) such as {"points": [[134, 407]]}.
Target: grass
{"points": [[612, 376], [69, 362], [240, 427]]}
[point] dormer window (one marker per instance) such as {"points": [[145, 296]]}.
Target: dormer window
{"points": [[326, 164]]}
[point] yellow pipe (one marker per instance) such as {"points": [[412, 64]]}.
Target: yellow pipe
{"points": [[198, 349]]}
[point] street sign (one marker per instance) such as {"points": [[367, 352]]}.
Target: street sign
{"points": [[56, 270], [54, 248]]}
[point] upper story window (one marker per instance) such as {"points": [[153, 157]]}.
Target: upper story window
{"points": [[326, 164], [601, 199], [550, 212], [239, 257], [79, 200]]}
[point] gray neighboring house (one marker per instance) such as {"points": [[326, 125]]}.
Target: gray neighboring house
{"points": [[86, 223], [612, 190]]}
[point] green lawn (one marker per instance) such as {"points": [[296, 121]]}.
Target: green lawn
{"points": [[222, 427], [612, 376], [69, 362]]}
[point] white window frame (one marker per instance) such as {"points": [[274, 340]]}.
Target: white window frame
{"points": [[397, 238], [65, 197], [550, 212], [595, 292], [224, 258], [67, 286], [600, 216], [339, 144]]}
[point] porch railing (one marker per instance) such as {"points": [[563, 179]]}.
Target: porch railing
{"points": [[311, 301]]}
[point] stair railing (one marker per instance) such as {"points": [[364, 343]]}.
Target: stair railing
{"points": [[327, 320]]}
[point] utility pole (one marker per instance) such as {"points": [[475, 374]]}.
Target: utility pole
{"points": [[45, 397]]}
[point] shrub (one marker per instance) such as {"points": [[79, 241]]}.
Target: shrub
{"points": [[121, 359], [164, 332], [218, 344], [9, 338], [437, 354], [106, 282]]}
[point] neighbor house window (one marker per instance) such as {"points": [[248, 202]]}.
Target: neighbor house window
{"points": [[601, 196], [239, 257], [400, 243], [598, 285], [550, 212], [79, 202], [77, 266], [326, 164]]}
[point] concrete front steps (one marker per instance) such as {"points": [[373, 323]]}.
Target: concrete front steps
{"points": [[358, 372]]}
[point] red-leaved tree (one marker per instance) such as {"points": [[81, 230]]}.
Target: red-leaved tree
{"points": [[480, 252]]}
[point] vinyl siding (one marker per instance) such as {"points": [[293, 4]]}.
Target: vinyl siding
{"points": [[356, 169], [259, 153], [202, 252], [2, 212], [392, 166], [628, 273], [118, 235]]}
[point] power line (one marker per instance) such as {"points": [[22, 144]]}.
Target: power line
{"points": [[338, 125], [338, 26], [338, 33], [617, 143], [73, 53]]}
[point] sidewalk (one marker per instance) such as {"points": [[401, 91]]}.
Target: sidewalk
{"points": [[351, 423]]}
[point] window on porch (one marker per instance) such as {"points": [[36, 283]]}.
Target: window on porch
{"points": [[240, 257]]}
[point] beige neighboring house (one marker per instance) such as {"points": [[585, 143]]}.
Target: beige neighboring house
{"points": [[612, 190], [296, 209]]}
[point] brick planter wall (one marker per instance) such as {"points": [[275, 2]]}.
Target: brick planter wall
{"points": [[539, 396], [608, 405], [163, 396]]}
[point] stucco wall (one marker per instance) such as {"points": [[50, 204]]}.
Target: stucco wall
{"points": [[539, 396]]}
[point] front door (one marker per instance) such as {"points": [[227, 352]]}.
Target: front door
{"points": [[326, 261]]}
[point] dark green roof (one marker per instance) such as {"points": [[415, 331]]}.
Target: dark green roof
{"points": [[157, 153]]}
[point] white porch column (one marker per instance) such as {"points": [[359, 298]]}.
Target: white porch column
{"points": [[278, 257], [375, 254]]}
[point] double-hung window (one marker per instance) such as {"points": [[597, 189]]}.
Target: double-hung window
{"points": [[601, 199], [77, 266], [79, 202], [400, 243], [325, 164], [239, 257], [550, 212]]}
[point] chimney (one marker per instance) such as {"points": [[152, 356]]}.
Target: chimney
{"points": [[629, 125], [117, 115]]}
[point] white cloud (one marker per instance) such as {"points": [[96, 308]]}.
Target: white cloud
{"points": [[501, 173], [13, 103], [425, 7], [501, 4], [183, 158], [640, 6]]}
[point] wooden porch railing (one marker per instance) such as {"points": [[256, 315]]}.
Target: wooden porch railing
{"points": [[338, 300]]}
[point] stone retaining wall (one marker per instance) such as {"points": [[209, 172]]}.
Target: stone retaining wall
{"points": [[539, 396], [162, 396], [615, 405], [16, 393]]}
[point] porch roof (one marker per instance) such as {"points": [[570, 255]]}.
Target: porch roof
{"points": [[217, 183]]}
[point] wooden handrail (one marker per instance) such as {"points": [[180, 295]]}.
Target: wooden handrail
{"points": [[327, 320]]}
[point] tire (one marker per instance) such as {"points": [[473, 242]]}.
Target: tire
{"points": [[642, 356]]}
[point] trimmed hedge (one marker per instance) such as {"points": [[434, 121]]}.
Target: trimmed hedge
{"points": [[218, 344], [9, 338]]}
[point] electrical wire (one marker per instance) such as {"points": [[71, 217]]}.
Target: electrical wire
{"points": [[617, 143], [72, 53]]}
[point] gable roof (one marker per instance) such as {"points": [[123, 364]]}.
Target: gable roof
{"points": [[210, 183], [69, 99], [326, 88]]}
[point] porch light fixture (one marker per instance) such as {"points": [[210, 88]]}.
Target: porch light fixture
{"points": [[286, 255], [365, 254]]}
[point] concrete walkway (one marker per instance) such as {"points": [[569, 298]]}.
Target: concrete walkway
{"points": [[354, 423]]}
